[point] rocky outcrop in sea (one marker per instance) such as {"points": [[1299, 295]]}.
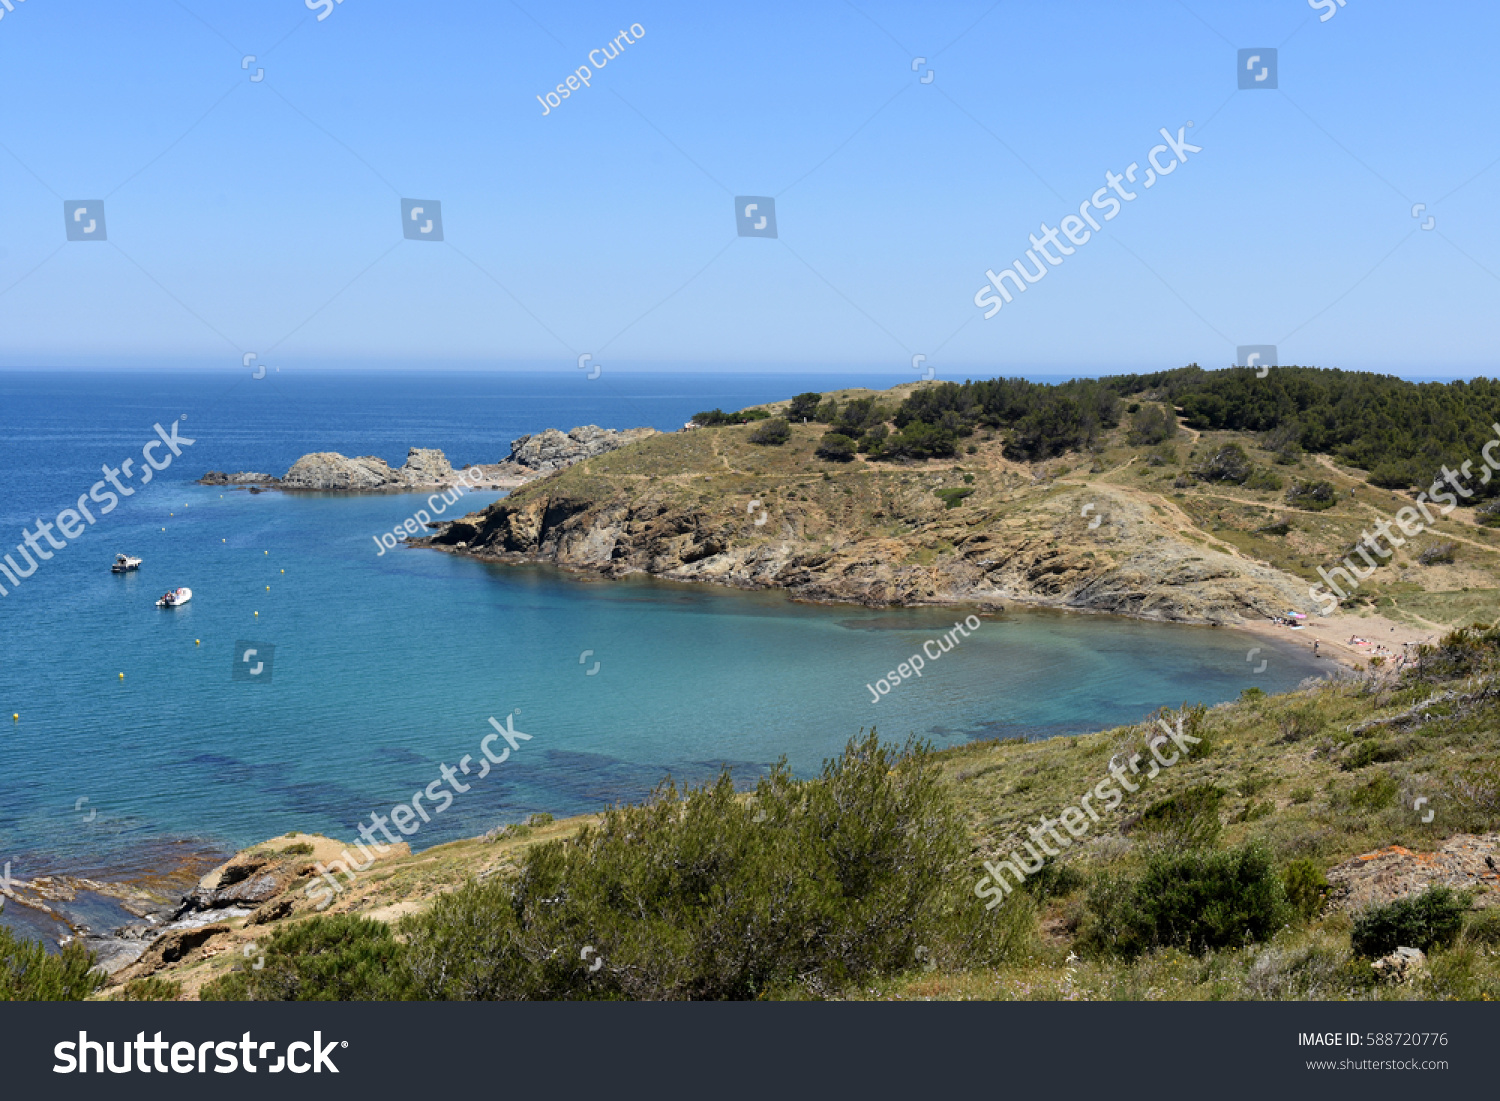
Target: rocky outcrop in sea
{"points": [[530, 456], [330, 470]]}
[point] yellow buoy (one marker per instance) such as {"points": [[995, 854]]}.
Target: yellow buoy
{"points": [[257, 613], [122, 676], [268, 588], [16, 717], [283, 571], [265, 552], [197, 642]]}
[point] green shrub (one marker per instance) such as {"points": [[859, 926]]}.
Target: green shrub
{"points": [[1461, 652], [1187, 820], [952, 498], [1377, 751], [1228, 464], [1261, 478], [301, 848], [836, 448], [1483, 927], [710, 895], [1315, 496], [1430, 920], [1196, 900], [1254, 812], [804, 406], [1054, 880], [1474, 793], [150, 989], [772, 433], [338, 957], [1377, 794], [1150, 425], [1297, 724], [717, 418], [918, 440], [29, 974], [1306, 887], [858, 416], [541, 818]]}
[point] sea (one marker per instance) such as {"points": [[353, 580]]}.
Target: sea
{"points": [[135, 738]]}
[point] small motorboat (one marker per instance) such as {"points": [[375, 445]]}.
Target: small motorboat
{"points": [[124, 563], [175, 598]]}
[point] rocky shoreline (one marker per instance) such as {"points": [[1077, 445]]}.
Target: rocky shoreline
{"points": [[1134, 569], [531, 456]]}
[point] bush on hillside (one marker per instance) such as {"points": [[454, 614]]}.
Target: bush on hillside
{"points": [[1196, 900], [1150, 426], [1227, 464], [1314, 496], [917, 441], [327, 958], [29, 974], [150, 989], [1430, 920], [1262, 478], [1187, 820], [836, 448], [953, 496], [1306, 887], [717, 418], [711, 895], [772, 433], [804, 406]]}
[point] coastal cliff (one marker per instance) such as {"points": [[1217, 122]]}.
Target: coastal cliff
{"points": [[1151, 519], [751, 517]]}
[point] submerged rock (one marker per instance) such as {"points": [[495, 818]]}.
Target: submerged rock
{"points": [[243, 478]]}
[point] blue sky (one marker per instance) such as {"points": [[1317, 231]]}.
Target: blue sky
{"points": [[264, 216]]}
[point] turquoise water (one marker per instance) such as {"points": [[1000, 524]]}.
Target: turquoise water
{"points": [[388, 666]]}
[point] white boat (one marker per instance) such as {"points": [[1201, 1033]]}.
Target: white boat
{"points": [[175, 598], [124, 563]]}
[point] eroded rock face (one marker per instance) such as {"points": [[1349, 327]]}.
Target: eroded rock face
{"points": [[1130, 567], [552, 449], [1385, 875], [330, 470]]}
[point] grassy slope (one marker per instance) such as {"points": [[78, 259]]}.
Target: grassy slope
{"points": [[1300, 798]]}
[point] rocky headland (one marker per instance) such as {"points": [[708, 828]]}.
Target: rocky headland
{"points": [[530, 457]]}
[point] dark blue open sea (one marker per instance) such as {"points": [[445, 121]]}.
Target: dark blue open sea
{"points": [[384, 668]]}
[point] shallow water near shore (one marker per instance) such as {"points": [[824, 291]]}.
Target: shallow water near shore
{"points": [[382, 668]]}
